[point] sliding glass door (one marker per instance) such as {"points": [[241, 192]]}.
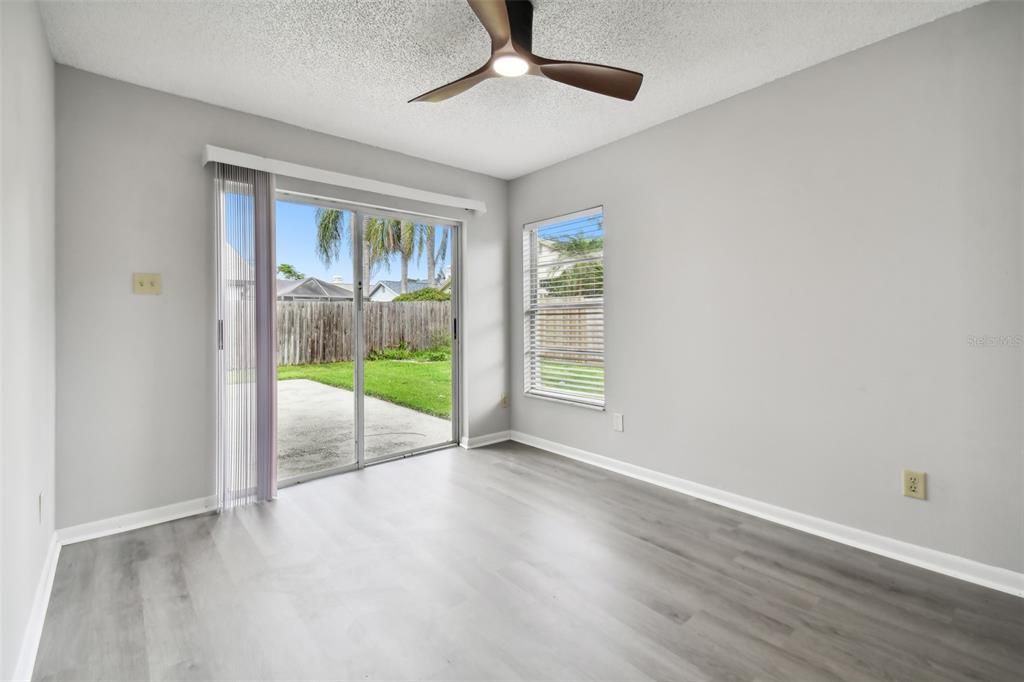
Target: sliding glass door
{"points": [[365, 336], [315, 341], [408, 319]]}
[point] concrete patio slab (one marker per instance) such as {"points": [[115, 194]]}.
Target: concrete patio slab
{"points": [[316, 428]]}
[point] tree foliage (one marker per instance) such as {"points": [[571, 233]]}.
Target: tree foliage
{"points": [[330, 232], [579, 279], [578, 246], [289, 272]]}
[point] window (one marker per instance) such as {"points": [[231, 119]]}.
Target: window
{"points": [[563, 308]]}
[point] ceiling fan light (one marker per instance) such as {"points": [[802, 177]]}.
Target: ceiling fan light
{"points": [[510, 66]]}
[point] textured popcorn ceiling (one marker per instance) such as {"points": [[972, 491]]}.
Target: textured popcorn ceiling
{"points": [[347, 68]]}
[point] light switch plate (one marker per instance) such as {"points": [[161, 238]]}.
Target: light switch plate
{"points": [[617, 424], [146, 283]]}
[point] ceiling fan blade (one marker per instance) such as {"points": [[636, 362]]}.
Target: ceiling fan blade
{"points": [[493, 14], [605, 80], [456, 87]]}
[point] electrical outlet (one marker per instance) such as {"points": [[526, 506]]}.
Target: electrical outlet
{"points": [[617, 424], [504, 400], [146, 283], [914, 484]]}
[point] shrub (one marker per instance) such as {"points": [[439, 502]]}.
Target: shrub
{"points": [[403, 352], [424, 294]]}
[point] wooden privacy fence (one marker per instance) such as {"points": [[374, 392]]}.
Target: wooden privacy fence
{"points": [[311, 332], [568, 329]]}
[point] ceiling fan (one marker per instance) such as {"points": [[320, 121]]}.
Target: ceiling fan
{"points": [[510, 25]]}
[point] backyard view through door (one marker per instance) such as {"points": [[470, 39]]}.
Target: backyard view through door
{"points": [[407, 327], [405, 314]]}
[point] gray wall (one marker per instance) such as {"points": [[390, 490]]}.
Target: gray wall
{"points": [[26, 318], [793, 276], [135, 410]]}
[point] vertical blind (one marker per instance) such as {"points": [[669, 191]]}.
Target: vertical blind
{"points": [[246, 420], [563, 304]]}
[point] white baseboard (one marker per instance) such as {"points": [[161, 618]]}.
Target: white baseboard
{"points": [[140, 519], [972, 571], [486, 439], [37, 616]]}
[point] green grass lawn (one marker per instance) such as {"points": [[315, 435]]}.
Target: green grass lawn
{"points": [[553, 373], [422, 386]]}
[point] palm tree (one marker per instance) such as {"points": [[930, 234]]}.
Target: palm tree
{"points": [[410, 245], [429, 233], [442, 248], [394, 237], [330, 229], [381, 239], [434, 256]]}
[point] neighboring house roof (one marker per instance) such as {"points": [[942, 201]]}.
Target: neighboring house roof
{"points": [[377, 290], [396, 285], [315, 289], [381, 292], [388, 289], [311, 289]]}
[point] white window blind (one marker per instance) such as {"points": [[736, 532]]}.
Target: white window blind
{"points": [[563, 304]]}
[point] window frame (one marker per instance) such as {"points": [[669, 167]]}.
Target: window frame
{"points": [[532, 389]]}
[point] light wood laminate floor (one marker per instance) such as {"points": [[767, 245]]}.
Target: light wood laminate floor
{"points": [[507, 563]]}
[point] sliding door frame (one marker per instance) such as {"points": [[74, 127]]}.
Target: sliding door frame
{"points": [[455, 241], [359, 355], [359, 213]]}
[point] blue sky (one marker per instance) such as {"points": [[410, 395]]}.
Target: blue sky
{"points": [[296, 245]]}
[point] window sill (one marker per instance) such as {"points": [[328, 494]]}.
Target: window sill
{"points": [[564, 401]]}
